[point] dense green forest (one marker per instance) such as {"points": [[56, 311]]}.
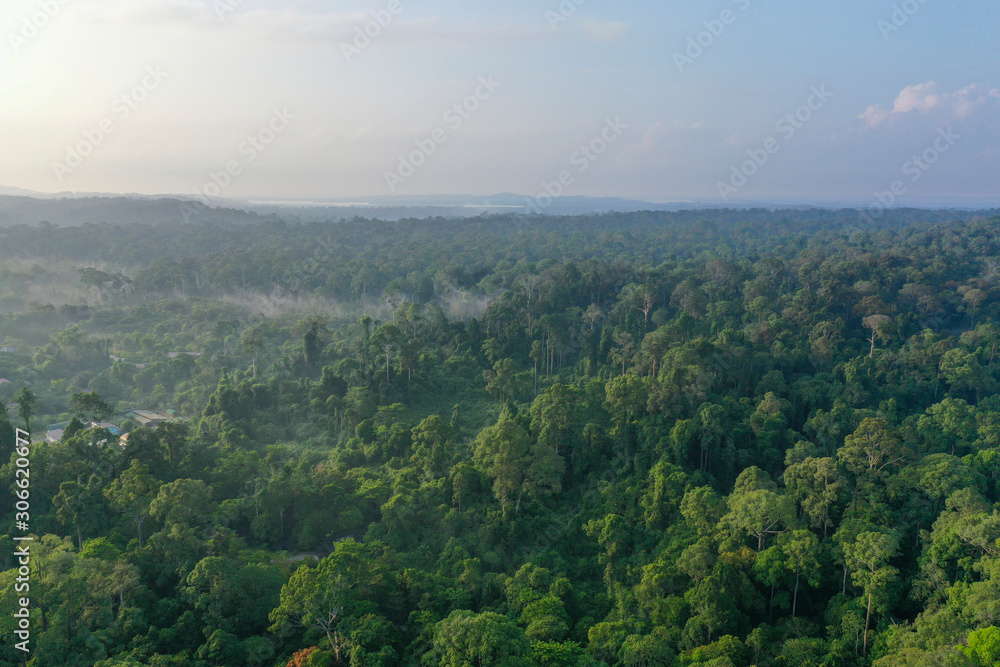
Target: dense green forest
{"points": [[718, 438]]}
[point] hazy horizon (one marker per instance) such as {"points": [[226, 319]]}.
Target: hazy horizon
{"points": [[733, 101]]}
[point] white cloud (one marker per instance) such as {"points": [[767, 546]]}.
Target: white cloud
{"points": [[924, 97], [921, 97], [874, 115]]}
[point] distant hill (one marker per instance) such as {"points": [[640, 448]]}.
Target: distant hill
{"points": [[74, 209], [448, 206], [65, 212], [69, 209], [5, 190]]}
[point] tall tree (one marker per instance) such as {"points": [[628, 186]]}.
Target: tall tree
{"points": [[878, 325], [517, 465], [484, 640], [868, 558], [26, 401], [335, 596], [387, 338], [802, 551], [132, 493]]}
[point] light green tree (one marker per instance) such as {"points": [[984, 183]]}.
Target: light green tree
{"points": [[335, 596], [132, 493], [868, 557], [802, 550], [517, 465], [760, 513], [983, 646], [465, 639]]}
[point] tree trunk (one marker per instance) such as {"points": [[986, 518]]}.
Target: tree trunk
{"points": [[333, 645], [795, 595], [868, 615]]}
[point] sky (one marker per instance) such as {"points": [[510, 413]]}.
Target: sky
{"points": [[861, 101]]}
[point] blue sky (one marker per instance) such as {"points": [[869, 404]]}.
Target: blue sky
{"points": [[360, 120]]}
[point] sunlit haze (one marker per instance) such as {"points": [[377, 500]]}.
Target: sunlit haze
{"points": [[729, 100]]}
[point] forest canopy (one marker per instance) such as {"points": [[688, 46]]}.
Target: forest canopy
{"points": [[697, 438]]}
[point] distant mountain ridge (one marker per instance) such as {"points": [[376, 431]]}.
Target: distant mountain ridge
{"points": [[19, 206], [23, 207], [6, 190], [65, 212]]}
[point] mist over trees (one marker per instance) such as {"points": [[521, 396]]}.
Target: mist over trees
{"points": [[695, 438]]}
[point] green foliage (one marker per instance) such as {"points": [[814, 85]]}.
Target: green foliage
{"points": [[983, 646], [464, 639], [696, 438]]}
